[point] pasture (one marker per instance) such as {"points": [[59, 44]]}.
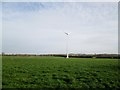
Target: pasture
{"points": [[59, 72]]}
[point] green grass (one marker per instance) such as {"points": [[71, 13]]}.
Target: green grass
{"points": [[0, 71], [58, 72]]}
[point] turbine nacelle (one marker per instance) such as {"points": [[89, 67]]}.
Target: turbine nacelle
{"points": [[66, 33]]}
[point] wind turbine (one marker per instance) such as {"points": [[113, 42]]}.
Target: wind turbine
{"points": [[67, 45]]}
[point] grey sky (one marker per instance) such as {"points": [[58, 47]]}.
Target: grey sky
{"points": [[39, 27]]}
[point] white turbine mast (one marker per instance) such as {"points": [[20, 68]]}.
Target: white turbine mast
{"points": [[67, 45]]}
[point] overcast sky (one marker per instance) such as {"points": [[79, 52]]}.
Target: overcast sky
{"points": [[39, 27]]}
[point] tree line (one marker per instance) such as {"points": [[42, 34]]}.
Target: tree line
{"points": [[114, 56]]}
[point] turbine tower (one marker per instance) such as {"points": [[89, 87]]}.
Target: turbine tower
{"points": [[67, 45]]}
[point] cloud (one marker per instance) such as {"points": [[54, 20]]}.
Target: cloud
{"points": [[40, 29]]}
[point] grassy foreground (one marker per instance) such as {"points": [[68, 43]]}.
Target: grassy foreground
{"points": [[58, 72]]}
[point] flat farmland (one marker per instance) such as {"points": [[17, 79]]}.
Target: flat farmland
{"points": [[59, 72]]}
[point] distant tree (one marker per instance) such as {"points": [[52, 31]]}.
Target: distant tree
{"points": [[3, 53]]}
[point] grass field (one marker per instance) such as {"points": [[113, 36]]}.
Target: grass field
{"points": [[58, 72]]}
